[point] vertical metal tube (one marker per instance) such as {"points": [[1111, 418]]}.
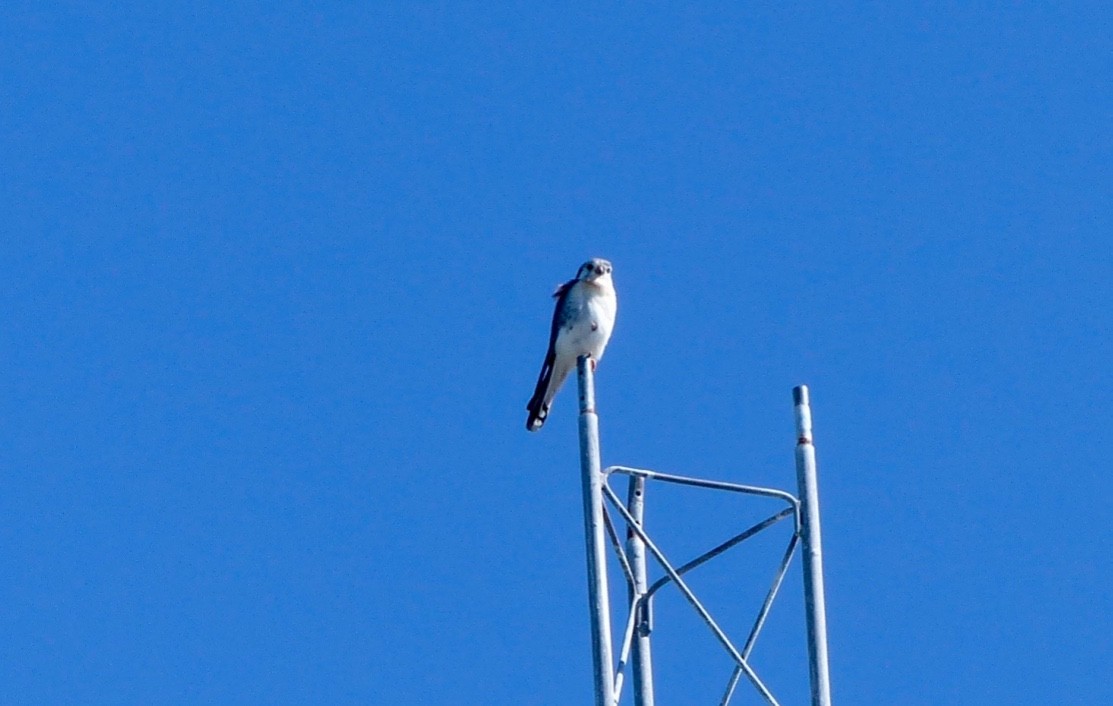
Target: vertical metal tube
{"points": [[635, 548], [813, 550], [591, 473]]}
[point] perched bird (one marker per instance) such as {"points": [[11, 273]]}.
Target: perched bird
{"points": [[582, 325]]}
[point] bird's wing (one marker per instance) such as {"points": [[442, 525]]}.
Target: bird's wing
{"points": [[562, 312], [561, 315]]}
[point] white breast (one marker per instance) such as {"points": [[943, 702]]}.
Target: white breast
{"points": [[590, 332]]}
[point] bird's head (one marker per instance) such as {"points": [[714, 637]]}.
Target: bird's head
{"points": [[594, 270]]}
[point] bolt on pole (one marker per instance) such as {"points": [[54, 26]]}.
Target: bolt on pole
{"points": [[813, 550], [591, 472]]}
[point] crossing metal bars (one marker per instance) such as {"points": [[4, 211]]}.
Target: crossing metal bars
{"points": [[632, 558]]}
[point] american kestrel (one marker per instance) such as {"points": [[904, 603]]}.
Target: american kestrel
{"points": [[582, 325]]}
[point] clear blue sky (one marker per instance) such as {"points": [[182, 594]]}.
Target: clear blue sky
{"points": [[275, 281]]}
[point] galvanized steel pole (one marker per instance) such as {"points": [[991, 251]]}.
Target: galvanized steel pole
{"points": [[813, 550], [591, 472], [635, 548]]}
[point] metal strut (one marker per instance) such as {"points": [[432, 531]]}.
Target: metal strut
{"points": [[591, 474], [635, 648]]}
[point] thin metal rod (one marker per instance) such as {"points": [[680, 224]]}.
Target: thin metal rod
{"points": [[759, 622], [624, 654], [591, 474], [711, 554], [612, 534], [631, 618], [813, 550], [635, 548], [701, 483], [691, 598], [732, 684], [762, 614]]}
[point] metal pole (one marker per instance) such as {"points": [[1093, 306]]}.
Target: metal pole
{"points": [[813, 550], [591, 472], [635, 548]]}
